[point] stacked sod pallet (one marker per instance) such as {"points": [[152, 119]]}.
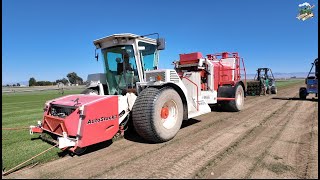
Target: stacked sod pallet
{"points": [[254, 88]]}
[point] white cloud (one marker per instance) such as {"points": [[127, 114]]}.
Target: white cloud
{"points": [[304, 4]]}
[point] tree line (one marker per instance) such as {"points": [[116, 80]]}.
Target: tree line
{"points": [[72, 78]]}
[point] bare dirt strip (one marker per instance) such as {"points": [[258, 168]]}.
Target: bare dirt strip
{"points": [[275, 136]]}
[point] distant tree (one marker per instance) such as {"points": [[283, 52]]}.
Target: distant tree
{"points": [[18, 84], [39, 83], [79, 80], [32, 82], [63, 81], [58, 81], [13, 85], [7, 85], [74, 78], [44, 83]]}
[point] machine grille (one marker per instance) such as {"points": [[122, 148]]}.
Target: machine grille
{"points": [[174, 77], [61, 111]]}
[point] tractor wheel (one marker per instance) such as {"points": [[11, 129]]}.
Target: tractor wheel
{"points": [[274, 90], [238, 103], [90, 91], [157, 114], [303, 93], [268, 91]]}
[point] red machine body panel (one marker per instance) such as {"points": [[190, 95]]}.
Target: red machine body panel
{"points": [[216, 76], [226, 68], [71, 100], [190, 58], [99, 123], [57, 125]]}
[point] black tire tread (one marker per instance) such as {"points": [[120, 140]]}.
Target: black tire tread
{"points": [[142, 112], [302, 93], [231, 105]]}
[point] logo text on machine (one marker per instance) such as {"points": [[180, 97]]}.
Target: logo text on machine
{"points": [[102, 119]]}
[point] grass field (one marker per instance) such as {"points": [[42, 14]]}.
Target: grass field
{"points": [[22, 110], [25, 109], [283, 83]]}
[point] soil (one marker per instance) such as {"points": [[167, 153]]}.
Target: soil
{"points": [[274, 136]]}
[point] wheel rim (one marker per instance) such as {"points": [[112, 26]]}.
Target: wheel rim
{"points": [[164, 112], [169, 114], [239, 98]]}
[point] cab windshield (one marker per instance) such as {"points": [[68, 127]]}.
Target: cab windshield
{"points": [[120, 68], [149, 56]]}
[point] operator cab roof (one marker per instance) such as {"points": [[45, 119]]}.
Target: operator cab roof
{"points": [[127, 36]]}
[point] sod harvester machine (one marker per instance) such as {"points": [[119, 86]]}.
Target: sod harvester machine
{"points": [[133, 88], [263, 83]]}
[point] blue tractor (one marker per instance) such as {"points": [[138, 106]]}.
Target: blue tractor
{"points": [[311, 82]]}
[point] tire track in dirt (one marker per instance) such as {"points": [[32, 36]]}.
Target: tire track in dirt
{"points": [[250, 154], [307, 173], [309, 150], [289, 159], [199, 157], [290, 155], [313, 170], [232, 149], [271, 142], [126, 152]]}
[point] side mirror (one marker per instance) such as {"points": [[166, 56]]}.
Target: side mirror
{"points": [[161, 44], [96, 55]]}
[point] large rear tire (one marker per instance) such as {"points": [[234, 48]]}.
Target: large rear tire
{"points": [[157, 114], [238, 103]]}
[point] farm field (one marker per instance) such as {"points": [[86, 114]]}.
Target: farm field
{"points": [[275, 136], [22, 110], [38, 88]]}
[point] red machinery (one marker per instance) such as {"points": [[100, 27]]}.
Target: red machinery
{"points": [[226, 70], [80, 120], [157, 101]]}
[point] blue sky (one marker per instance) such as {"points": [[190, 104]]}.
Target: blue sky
{"points": [[48, 39]]}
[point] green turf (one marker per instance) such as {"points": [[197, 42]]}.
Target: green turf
{"points": [[284, 83], [22, 110]]}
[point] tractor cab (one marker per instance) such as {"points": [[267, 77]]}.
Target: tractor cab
{"points": [[126, 57], [263, 83], [266, 75]]}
